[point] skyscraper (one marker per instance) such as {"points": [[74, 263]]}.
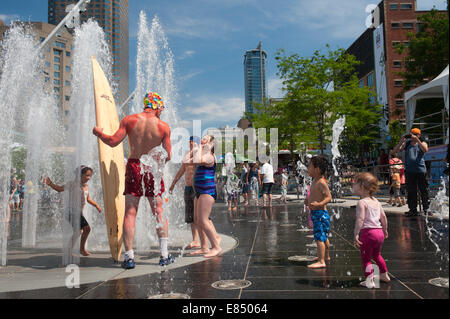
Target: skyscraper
{"points": [[112, 16], [255, 77]]}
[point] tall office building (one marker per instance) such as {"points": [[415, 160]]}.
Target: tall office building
{"points": [[112, 16], [255, 77]]}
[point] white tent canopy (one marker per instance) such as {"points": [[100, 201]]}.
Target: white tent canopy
{"points": [[437, 88]]}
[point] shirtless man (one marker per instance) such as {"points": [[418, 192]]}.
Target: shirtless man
{"points": [[319, 197], [145, 131], [189, 193]]}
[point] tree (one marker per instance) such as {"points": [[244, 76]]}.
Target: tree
{"points": [[427, 52], [320, 89]]}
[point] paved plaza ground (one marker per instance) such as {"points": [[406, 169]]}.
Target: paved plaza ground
{"points": [[258, 243]]}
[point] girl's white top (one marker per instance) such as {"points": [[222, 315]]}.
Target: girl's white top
{"points": [[373, 213]]}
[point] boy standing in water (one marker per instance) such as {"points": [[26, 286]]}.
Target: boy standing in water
{"points": [[319, 197]]}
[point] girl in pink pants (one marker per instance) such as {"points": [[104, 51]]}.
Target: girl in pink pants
{"points": [[370, 228]]}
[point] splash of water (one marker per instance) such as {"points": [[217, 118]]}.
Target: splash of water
{"points": [[438, 205], [29, 107], [338, 128], [89, 40], [155, 72]]}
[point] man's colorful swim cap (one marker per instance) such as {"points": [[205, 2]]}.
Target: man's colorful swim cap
{"points": [[154, 101], [415, 131]]}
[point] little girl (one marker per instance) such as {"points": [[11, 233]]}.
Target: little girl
{"points": [[370, 227], [85, 229]]}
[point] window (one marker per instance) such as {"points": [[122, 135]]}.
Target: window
{"points": [[393, 6], [370, 80], [395, 25], [395, 44], [406, 6], [57, 74], [67, 68], [57, 52], [398, 83], [56, 89], [57, 67], [67, 53], [361, 83], [397, 64], [408, 25], [399, 102], [56, 82], [67, 83], [57, 60], [406, 43], [67, 98]]}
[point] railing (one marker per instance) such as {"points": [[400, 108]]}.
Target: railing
{"points": [[382, 173]]}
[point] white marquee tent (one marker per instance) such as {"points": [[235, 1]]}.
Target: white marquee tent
{"points": [[437, 88]]}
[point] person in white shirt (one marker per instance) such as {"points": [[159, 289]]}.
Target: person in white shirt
{"points": [[268, 181]]}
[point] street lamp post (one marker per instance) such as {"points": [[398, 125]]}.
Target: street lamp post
{"points": [[70, 20]]}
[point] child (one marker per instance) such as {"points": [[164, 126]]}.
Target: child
{"points": [[284, 181], [370, 227], [85, 229], [231, 188], [319, 197], [396, 185]]}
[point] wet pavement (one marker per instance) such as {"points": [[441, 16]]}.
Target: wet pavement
{"points": [[266, 239]]}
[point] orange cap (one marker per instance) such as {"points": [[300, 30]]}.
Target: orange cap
{"points": [[416, 131]]}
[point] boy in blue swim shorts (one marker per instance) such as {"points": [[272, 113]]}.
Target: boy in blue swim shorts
{"points": [[317, 200]]}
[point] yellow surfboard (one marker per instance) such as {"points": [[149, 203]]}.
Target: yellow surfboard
{"points": [[112, 163]]}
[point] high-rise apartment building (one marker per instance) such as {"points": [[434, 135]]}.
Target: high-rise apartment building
{"points": [[57, 64], [112, 16], [255, 77]]}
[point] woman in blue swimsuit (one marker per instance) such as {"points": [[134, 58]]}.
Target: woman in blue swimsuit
{"points": [[205, 196]]}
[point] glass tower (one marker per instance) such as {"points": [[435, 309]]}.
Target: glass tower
{"points": [[255, 77], [112, 16]]}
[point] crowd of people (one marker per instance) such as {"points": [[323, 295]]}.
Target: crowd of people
{"points": [[254, 182]]}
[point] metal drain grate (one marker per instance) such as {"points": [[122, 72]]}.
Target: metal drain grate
{"points": [[439, 282], [302, 258], [170, 296], [231, 284]]}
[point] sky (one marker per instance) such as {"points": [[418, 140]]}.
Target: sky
{"points": [[209, 38]]}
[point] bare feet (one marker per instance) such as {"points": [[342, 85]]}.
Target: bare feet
{"points": [[385, 277], [199, 252], [213, 252], [193, 245], [317, 265], [84, 253], [326, 259]]}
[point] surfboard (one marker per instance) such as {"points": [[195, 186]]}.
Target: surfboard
{"points": [[112, 163]]}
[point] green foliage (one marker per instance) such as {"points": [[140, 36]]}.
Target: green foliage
{"points": [[396, 130], [319, 89], [18, 161], [428, 50]]}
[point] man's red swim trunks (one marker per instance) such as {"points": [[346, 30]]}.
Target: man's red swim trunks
{"points": [[133, 181]]}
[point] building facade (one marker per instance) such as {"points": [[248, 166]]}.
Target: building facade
{"points": [[396, 19], [255, 77], [112, 16], [57, 64]]}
